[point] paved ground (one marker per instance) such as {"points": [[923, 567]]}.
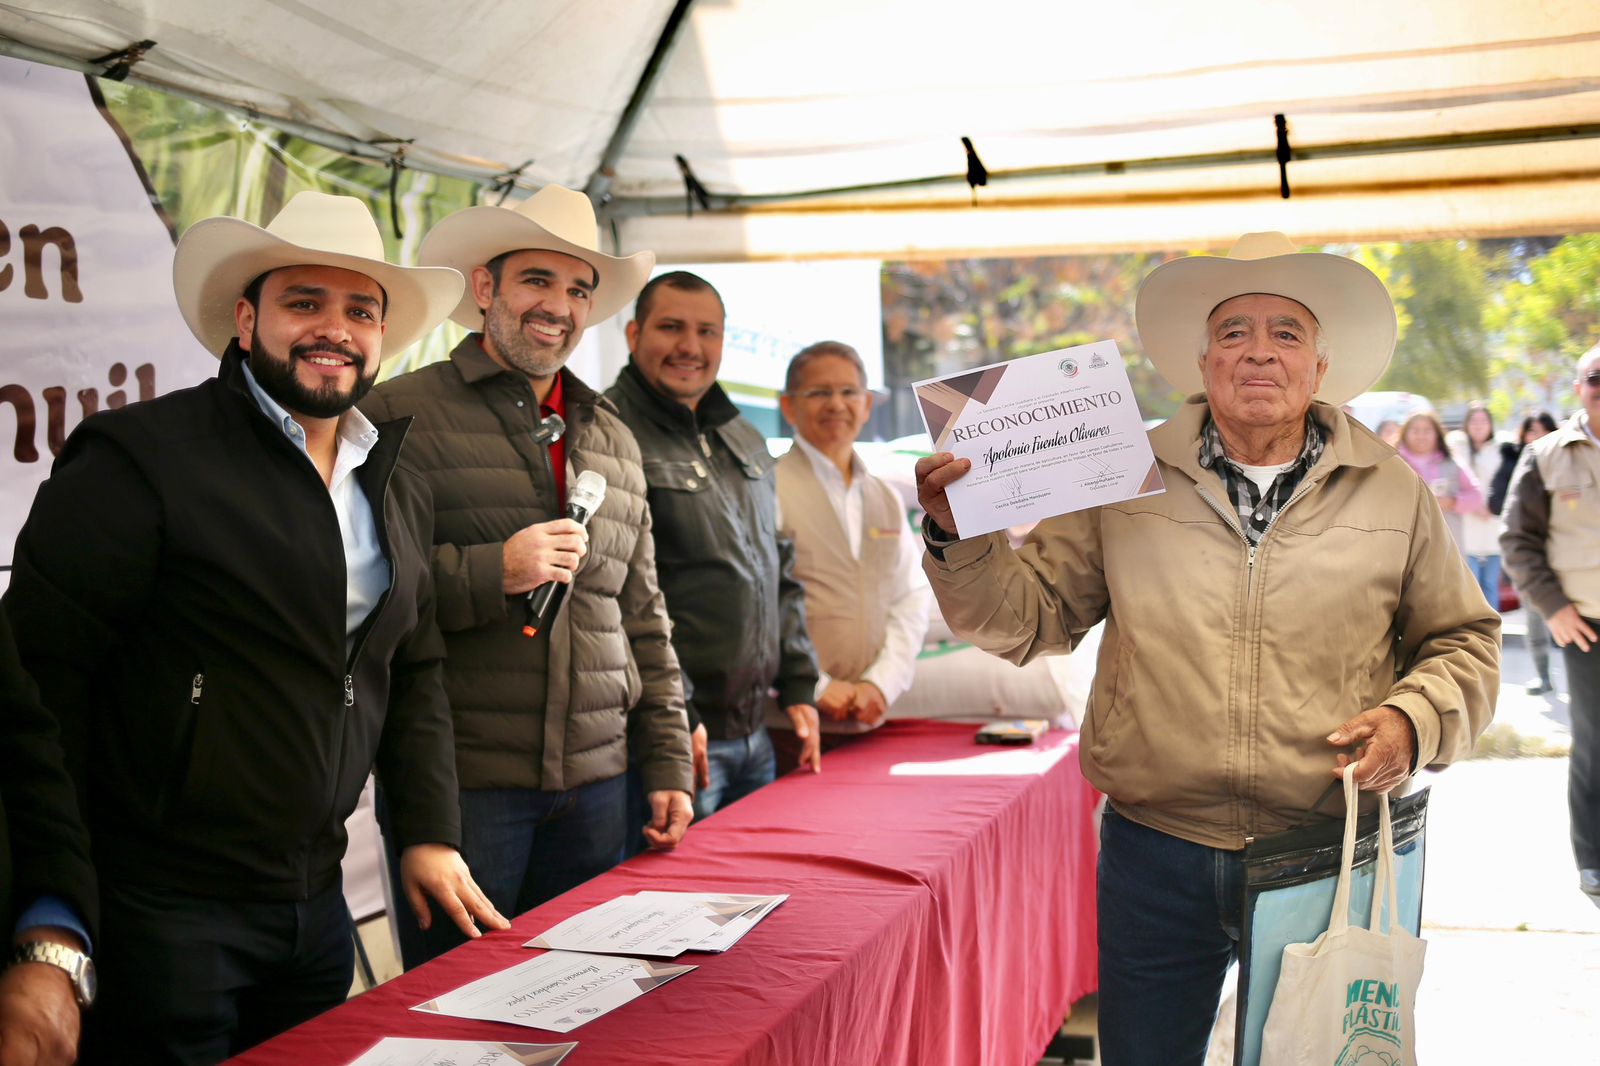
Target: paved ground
{"points": [[1513, 966]]}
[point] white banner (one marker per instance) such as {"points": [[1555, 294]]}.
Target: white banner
{"points": [[85, 280]]}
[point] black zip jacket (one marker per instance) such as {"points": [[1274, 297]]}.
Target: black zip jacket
{"points": [[179, 596], [738, 614]]}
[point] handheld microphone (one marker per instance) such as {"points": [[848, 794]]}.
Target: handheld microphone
{"points": [[582, 502]]}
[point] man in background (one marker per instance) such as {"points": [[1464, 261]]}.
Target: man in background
{"points": [[1551, 548], [866, 598], [738, 614]]}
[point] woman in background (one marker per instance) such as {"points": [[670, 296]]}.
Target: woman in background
{"points": [[1533, 427], [1480, 526], [1422, 447]]}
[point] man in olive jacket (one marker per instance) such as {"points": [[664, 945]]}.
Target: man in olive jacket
{"points": [[543, 723]]}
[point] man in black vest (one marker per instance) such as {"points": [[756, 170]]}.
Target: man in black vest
{"points": [[224, 595]]}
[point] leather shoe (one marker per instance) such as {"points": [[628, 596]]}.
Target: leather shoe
{"points": [[1538, 687], [1589, 881]]}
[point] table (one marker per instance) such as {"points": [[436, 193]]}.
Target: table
{"points": [[942, 911]]}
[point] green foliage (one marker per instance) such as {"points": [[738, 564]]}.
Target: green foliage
{"points": [[1441, 291]]}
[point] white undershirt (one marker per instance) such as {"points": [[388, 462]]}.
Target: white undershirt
{"points": [[1264, 476]]}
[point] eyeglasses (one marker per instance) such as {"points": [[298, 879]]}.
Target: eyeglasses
{"points": [[1591, 379], [848, 395]]}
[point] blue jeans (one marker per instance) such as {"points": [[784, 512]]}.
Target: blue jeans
{"points": [[1169, 929], [738, 768], [1486, 571], [523, 847]]}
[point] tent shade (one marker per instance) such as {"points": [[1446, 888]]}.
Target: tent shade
{"points": [[833, 128]]}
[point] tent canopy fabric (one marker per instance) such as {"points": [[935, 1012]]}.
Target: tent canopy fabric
{"points": [[832, 128]]}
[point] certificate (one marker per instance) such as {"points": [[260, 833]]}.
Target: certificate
{"points": [[664, 924], [740, 914], [559, 990], [413, 1051], [1047, 434]]}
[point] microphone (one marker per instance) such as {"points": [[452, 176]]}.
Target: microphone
{"points": [[582, 502], [549, 430]]}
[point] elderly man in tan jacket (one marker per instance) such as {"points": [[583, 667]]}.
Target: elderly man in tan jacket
{"points": [[1293, 601]]}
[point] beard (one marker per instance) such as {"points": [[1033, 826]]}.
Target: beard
{"points": [[277, 379], [505, 332]]}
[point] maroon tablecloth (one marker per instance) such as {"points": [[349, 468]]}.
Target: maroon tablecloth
{"points": [[941, 912]]}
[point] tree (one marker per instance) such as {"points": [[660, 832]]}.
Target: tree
{"points": [[1547, 319], [1441, 291]]}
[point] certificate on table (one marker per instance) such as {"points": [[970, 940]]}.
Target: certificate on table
{"points": [[414, 1051], [559, 990], [742, 914], [1047, 434], [663, 924]]}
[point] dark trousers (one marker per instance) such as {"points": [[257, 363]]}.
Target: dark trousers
{"points": [[1583, 771], [523, 847], [1169, 928], [185, 979]]}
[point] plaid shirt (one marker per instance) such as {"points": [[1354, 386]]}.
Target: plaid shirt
{"points": [[1257, 509]]}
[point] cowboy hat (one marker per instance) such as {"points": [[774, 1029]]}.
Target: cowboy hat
{"points": [[1352, 308], [554, 219], [217, 258]]}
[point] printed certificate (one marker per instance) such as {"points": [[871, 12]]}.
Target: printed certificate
{"points": [[559, 990], [664, 924], [1047, 434], [415, 1051], [740, 914]]}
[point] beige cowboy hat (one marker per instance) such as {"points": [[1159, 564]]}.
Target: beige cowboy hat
{"points": [[1353, 309], [217, 258], [554, 219]]}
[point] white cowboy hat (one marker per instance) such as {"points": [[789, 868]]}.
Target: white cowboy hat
{"points": [[218, 257], [554, 219], [1353, 309]]}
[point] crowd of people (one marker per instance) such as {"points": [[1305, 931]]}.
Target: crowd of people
{"points": [[231, 603], [1469, 472]]}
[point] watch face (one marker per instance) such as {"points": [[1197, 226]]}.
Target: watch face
{"points": [[88, 983]]}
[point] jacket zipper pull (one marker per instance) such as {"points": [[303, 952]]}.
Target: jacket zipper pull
{"points": [[195, 688], [349, 691]]}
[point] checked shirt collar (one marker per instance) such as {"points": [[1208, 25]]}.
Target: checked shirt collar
{"points": [[1257, 509]]}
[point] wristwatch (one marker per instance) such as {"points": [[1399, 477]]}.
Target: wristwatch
{"points": [[78, 966]]}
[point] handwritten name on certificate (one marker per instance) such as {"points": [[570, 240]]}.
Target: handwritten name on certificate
{"points": [[1047, 434]]}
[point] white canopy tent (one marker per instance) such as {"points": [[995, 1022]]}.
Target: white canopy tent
{"points": [[832, 128]]}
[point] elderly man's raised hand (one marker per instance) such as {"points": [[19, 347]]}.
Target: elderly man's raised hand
{"points": [[1387, 744], [934, 474]]}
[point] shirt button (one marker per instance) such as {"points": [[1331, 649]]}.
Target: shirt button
{"points": [[691, 483], [519, 403]]}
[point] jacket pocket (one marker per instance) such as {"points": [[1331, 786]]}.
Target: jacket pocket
{"points": [[679, 500], [1109, 711]]}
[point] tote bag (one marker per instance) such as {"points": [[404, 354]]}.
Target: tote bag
{"points": [[1348, 997]]}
